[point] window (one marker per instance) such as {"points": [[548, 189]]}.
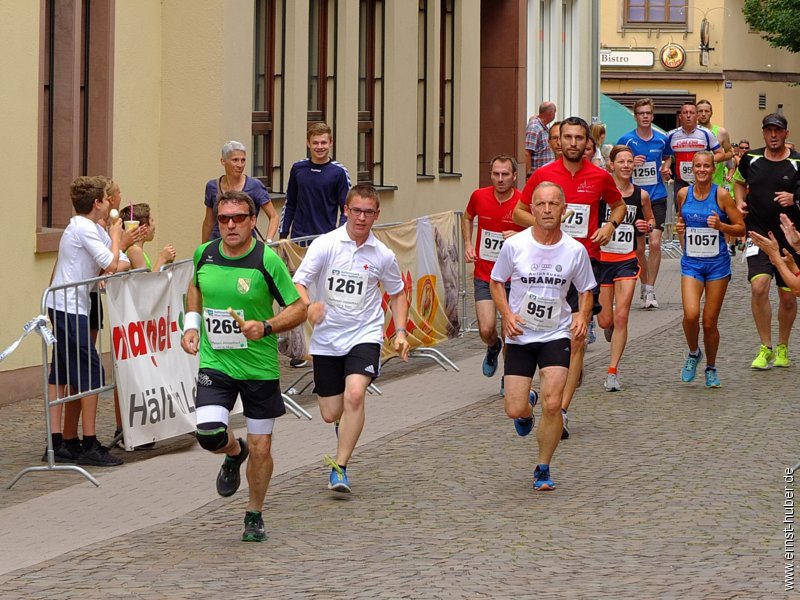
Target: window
{"points": [[447, 97], [268, 90], [75, 105], [370, 91], [670, 12], [423, 22], [322, 38]]}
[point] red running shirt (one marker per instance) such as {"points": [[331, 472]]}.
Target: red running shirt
{"points": [[493, 218], [584, 191]]}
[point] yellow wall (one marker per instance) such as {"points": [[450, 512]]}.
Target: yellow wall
{"points": [[741, 57], [183, 86], [23, 273], [743, 118]]}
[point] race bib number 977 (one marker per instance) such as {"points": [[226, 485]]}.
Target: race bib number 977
{"points": [[490, 245]]}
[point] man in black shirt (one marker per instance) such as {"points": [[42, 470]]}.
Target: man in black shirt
{"points": [[766, 185]]}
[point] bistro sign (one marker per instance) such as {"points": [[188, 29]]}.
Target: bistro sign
{"points": [[626, 58]]}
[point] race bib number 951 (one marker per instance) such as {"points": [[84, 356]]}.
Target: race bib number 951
{"points": [[541, 314]]}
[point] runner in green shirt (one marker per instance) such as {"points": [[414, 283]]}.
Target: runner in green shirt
{"points": [[230, 321]]}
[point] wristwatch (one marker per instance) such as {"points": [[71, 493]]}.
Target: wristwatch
{"points": [[267, 328], [614, 223]]}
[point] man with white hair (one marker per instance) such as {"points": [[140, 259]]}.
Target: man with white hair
{"points": [[233, 159]]}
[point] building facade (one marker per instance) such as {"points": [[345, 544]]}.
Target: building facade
{"points": [[677, 50], [419, 93]]}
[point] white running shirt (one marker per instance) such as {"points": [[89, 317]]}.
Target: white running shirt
{"points": [[540, 278], [345, 278]]}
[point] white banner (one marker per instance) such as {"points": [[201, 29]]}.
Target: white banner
{"points": [[156, 379]]}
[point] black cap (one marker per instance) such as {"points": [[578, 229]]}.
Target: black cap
{"points": [[775, 120]]}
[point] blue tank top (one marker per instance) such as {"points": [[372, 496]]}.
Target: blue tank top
{"points": [[695, 213]]}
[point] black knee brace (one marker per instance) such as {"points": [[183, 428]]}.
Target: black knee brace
{"points": [[212, 436]]}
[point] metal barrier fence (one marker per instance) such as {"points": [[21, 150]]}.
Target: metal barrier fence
{"points": [[69, 309], [670, 244], [81, 342], [304, 380], [75, 310]]}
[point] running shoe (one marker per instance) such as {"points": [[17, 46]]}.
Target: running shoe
{"points": [[64, 453], [765, 355], [502, 387], [689, 370], [591, 337], [650, 299], [541, 479], [338, 481], [781, 356], [490, 360], [253, 527], [612, 383], [98, 456], [298, 363], [732, 249], [228, 479], [712, 378], [524, 425], [608, 332], [564, 425]]}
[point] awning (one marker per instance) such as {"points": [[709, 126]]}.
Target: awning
{"points": [[617, 119]]}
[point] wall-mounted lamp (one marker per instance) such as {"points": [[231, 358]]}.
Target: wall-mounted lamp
{"points": [[704, 32]]}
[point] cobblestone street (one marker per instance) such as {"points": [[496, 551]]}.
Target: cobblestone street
{"points": [[665, 490]]}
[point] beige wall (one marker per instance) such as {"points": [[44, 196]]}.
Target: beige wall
{"points": [[748, 64], [183, 86], [23, 273], [743, 118], [745, 49]]}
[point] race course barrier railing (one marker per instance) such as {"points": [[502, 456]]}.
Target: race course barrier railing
{"points": [[145, 337]]}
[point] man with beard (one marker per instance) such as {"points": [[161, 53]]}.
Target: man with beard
{"points": [[585, 187], [766, 184]]}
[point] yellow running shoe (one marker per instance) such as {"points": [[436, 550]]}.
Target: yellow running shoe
{"points": [[765, 355], [782, 356]]}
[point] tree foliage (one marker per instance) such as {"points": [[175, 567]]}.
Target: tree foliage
{"points": [[778, 21]]}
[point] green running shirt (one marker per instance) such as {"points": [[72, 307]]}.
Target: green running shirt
{"points": [[248, 284]]}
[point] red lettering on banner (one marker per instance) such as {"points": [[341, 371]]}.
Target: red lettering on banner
{"points": [[141, 338]]}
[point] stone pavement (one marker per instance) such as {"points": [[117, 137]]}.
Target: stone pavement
{"points": [[665, 490]]}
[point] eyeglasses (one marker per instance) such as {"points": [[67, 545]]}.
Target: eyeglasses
{"points": [[642, 113], [357, 212], [744, 147], [224, 219]]}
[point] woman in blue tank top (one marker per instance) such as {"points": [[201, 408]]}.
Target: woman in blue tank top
{"points": [[706, 213]]}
